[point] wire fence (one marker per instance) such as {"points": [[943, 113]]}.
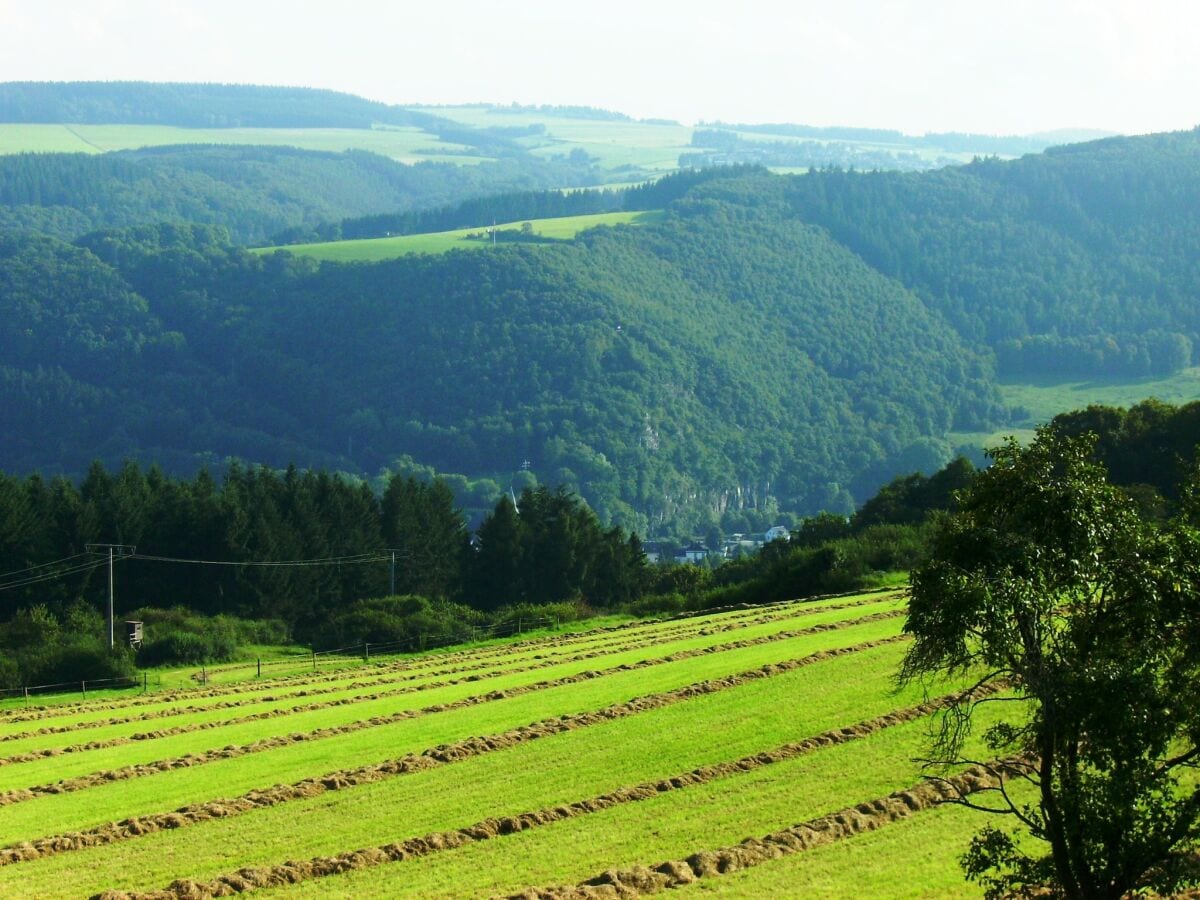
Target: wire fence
{"points": [[422, 642], [141, 681]]}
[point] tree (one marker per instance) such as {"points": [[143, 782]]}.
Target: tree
{"points": [[1047, 580]]}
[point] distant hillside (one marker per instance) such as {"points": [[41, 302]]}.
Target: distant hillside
{"points": [[674, 373], [773, 343], [1084, 260], [194, 105], [254, 192]]}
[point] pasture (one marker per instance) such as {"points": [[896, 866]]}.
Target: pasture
{"points": [[1043, 400], [376, 249], [405, 144], [760, 752]]}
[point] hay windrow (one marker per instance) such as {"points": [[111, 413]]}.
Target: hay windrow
{"points": [[383, 673], [83, 782], [412, 762], [294, 871], [636, 880], [390, 676]]}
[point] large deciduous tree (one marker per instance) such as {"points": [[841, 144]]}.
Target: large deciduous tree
{"points": [[1047, 579]]}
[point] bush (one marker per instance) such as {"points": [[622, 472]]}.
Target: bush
{"points": [[657, 605], [521, 615], [409, 620], [179, 636]]}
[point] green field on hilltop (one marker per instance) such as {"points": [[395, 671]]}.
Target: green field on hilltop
{"points": [[1041, 401], [375, 249], [407, 144], [615, 143]]}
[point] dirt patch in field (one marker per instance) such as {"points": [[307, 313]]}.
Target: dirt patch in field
{"points": [[413, 762], [291, 872], [85, 781]]}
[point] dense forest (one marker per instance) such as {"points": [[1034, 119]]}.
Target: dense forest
{"points": [[253, 192], [681, 373], [772, 346]]}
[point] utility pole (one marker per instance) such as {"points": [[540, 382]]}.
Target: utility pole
{"points": [[115, 551], [393, 552]]}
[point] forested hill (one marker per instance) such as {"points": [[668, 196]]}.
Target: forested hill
{"points": [[195, 105], [727, 359], [1082, 261], [772, 343], [254, 192]]}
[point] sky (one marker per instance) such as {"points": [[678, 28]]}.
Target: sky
{"points": [[1001, 67]]}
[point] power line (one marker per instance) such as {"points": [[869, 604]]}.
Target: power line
{"points": [[44, 565], [325, 561], [51, 576]]}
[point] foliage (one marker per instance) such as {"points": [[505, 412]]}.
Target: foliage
{"points": [[41, 647], [1047, 579], [179, 636]]}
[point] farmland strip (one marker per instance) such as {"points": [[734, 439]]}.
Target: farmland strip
{"points": [[51, 752], [412, 762], [292, 872], [83, 782], [388, 675], [637, 880]]}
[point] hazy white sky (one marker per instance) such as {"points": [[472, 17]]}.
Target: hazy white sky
{"points": [[1004, 66]]}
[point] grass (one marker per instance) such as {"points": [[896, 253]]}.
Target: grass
{"points": [[167, 790], [376, 249], [404, 144], [559, 769], [75, 764], [609, 753], [670, 826], [1043, 400]]}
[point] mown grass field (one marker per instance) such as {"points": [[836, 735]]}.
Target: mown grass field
{"points": [[1043, 400], [535, 765], [404, 144], [376, 249]]}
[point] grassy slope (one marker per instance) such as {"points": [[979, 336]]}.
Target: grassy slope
{"points": [[1044, 400], [166, 790], [566, 767], [55, 768], [404, 144], [375, 249], [561, 769]]}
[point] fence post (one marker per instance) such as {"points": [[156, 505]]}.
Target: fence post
{"points": [[366, 651], [27, 696], [83, 689], [203, 677], [259, 675], [314, 657]]}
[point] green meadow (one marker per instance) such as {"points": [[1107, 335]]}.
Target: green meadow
{"points": [[619, 747], [376, 249]]}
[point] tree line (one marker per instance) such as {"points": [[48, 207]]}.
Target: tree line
{"points": [[547, 547]]}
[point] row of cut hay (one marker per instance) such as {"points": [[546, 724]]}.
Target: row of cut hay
{"points": [[76, 774], [413, 762], [386, 675], [229, 751], [292, 872]]}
